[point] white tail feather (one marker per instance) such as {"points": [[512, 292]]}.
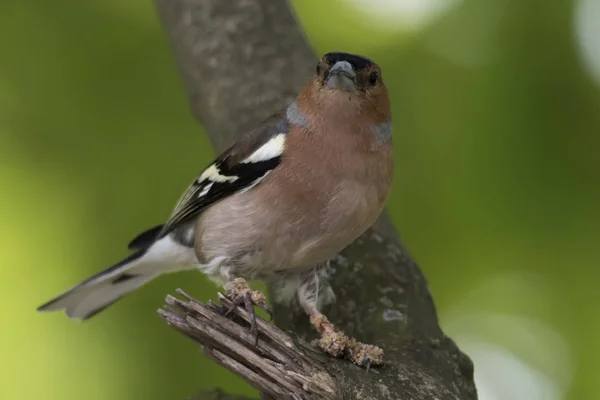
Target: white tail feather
{"points": [[92, 299], [100, 291]]}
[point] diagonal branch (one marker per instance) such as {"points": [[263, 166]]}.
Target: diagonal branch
{"points": [[241, 61], [278, 365]]}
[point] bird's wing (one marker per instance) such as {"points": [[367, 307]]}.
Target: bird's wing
{"points": [[239, 168]]}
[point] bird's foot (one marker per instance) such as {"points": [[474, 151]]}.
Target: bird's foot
{"points": [[240, 294], [338, 344]]}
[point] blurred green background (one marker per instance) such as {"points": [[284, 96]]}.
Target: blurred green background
{"points": [[497, 193]]}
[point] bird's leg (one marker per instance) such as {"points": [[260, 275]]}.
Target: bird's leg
{"points": [[333, 342], [239, 292]]}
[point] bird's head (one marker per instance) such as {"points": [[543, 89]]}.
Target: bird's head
{"points": [[347, 85]]}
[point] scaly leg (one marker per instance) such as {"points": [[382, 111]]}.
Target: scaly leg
{"points": [[333, 342], [240, 293]]}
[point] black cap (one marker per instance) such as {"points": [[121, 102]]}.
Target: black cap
{"points": [[358, 62]]}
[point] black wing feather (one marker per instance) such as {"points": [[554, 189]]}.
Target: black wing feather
{"points": [[202, 194], [219, 190]]}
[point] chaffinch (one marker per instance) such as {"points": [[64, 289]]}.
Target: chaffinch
{"points": [[275, 206]]}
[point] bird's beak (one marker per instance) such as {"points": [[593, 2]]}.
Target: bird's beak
{"points": [[342, 76]]}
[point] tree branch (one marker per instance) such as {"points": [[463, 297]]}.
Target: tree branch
{"points": [[241, 61], [276, 365]]}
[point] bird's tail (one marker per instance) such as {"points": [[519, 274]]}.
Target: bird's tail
{"points": [[101, 290]]}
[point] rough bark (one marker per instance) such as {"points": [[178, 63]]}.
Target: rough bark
{"points": [[276, 363], [242, 60]]}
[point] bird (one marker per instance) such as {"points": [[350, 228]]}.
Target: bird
{"points": [[276, 206]]}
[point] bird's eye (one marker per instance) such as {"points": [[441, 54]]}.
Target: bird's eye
{"points": [[374, 78]]}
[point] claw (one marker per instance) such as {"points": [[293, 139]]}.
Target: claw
{"points": [[237, 302], [247, 302], [337, 344], [241, 294]]}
